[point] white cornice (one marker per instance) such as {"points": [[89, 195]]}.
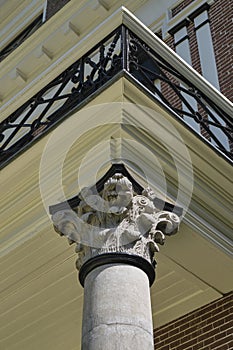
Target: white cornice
{"points": [[209, 232]]}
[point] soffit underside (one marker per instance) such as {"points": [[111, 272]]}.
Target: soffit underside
{"points": [[118, 132], [41, 298]]}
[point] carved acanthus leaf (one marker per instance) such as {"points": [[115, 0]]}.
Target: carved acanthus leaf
{"points": [[116, 220]]}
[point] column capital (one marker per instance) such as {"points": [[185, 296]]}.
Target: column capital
{"points": [[116, 225]]}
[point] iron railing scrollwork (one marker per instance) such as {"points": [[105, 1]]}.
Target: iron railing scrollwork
{"points": [[60, 96], [180, 95], [124, 52]]}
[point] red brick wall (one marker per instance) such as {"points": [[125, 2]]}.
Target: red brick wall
{"points": [[166, 90], [180, 7], [196, 64], [221, 14], [207, 328]]}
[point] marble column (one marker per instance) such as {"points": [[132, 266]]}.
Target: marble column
{"points": [[116, 231]]}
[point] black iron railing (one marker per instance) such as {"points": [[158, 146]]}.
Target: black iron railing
{"points": [[176, 92], [124, 52]]}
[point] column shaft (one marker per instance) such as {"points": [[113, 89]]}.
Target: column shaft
{"points": [[117, 309]]}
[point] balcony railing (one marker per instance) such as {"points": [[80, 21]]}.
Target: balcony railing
{"points": [[124, 53]]}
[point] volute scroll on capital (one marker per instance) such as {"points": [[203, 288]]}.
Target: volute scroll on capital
{"points": [[116, 220]]}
